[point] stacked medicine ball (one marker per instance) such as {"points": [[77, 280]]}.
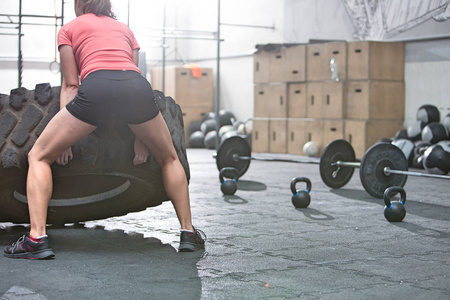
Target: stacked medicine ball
{"points": [[203, 133], [425, 142]]}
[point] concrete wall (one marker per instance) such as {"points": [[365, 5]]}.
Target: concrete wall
{"points": [[294, 21]]}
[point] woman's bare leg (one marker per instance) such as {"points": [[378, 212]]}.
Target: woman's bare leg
{"points": [[62, 131], [156, 136]]}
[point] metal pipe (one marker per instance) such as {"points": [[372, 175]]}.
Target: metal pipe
{"points": [[174, 29], [62, 24], [252, 26], [33, 24], [313, 162], [346, 164], [388, 171], [28, 16], [163, 77], [19, 62], [217, 98]]}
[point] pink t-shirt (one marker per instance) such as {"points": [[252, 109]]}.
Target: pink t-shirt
{"points": [[99, 43]]}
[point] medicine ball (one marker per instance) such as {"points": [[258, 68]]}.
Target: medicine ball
{"points": [[207, 126], [209, 116], [226, 117], [446, 123], [196, 139], [210, 140], [414, 131], [419, 150], [436, 158], [434, 133], [428, 113], [224, 129], [407, 148], [401, 134], [246, 127], [311, 149], [194, 126]]}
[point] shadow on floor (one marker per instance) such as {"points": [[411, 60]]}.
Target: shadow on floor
{"points": [[249, 185], [95, 263]]}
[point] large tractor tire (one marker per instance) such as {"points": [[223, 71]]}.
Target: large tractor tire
{"points": [[99, 182]]}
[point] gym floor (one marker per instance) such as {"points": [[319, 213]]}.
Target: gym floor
{"points": [[259, 246]]}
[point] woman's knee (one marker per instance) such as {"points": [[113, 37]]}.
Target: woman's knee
{"points": [[36, 155]]}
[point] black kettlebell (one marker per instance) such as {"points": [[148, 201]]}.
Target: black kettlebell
{"points": [[394, 211], [228, 186], [301, 198]]}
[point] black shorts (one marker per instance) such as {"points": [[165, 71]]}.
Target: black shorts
{"points": [[104, 95]]}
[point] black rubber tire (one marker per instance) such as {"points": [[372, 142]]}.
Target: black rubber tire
{"points": [[101, 180]]}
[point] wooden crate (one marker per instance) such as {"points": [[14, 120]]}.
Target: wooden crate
{"points": [[362, 134], [260, 135], [296, 137], [278, 100], [317, 68], [338, 51], [376, 60], [318, 57], [183, 87], [334, 105], [314, 99], [314, 132], [375, 99], [270, 100], [261, 100], [332, 130], [296, 63], [261, 65], [303, 130], [296, 100], [277, 135], [288, 64]]}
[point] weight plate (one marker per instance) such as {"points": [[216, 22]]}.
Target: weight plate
{"points": [[228, 148], [333, 176], [372, 174]]}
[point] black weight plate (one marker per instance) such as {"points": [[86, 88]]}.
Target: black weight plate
{"points": [[371, 172], [338, 150], [227, 148]]}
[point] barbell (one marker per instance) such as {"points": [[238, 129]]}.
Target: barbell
{"points": [[382, 166]]}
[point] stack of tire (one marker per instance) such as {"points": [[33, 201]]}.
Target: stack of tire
{"points": [[203, 133], [425, 142]]}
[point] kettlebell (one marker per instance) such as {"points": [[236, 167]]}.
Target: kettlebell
{"points": [[394, 211], [228, 186], [301, 198]]}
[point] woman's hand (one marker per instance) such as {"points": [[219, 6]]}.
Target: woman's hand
{"points": [[141, 152], [64, 158]]}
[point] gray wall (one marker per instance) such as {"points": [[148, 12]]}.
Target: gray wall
{"points": [[427, 64]]}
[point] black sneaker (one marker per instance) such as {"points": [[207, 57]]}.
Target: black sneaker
{"points": [[25, 248], [190, 242]]}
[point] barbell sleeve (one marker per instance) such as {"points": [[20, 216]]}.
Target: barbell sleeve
{"points": [[388, 171]]}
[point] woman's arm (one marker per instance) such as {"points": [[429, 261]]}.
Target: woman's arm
{"points": [[69, 90], [141, 152]]}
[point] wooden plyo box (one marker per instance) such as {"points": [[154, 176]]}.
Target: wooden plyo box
{"points": [[362, 134], [376, 99], [183, 87], [376, 60]]}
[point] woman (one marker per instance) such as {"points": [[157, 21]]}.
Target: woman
{"points": [[104, 53]]}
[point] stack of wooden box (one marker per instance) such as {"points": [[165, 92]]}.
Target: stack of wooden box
{"points": [[195, 95], [300, 97]]}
